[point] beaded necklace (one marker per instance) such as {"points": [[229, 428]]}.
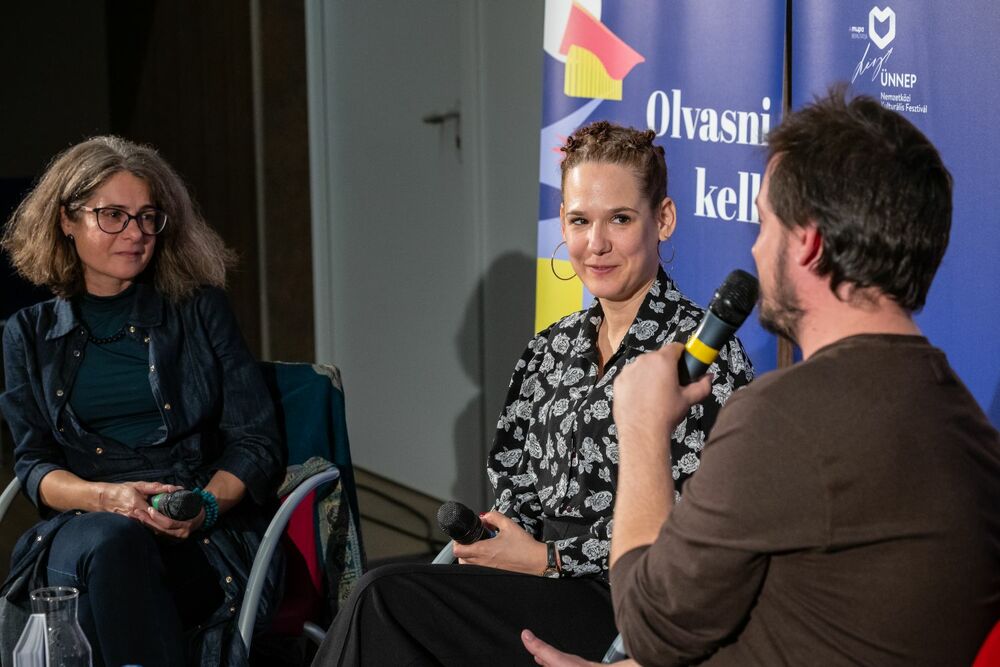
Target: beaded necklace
{"points": [[118, 335]]}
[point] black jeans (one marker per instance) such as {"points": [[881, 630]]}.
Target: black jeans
{"points": [[137, 592]]}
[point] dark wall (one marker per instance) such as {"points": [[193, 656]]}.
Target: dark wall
{"points": [[15, 293], [55, 87], [180, 78], [287, 229], [54, 93]]}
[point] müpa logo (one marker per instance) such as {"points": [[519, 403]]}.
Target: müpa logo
{"points": [[886, 15]]}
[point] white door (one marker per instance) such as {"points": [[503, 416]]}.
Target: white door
{"points": [[402, 252]]}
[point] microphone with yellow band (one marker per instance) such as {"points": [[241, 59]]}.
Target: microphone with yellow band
{"points": [[730, 306]]}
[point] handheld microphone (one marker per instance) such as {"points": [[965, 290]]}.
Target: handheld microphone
{"points": [[462, 524], [730, 306], [180, 505]]}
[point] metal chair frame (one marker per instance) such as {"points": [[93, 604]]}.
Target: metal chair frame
{"points": [[270, 542]]}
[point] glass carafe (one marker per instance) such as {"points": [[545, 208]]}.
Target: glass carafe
{"points": [[66, 645]]}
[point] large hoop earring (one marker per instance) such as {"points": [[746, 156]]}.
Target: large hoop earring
{"points": [[673, 253], [552, 264]]}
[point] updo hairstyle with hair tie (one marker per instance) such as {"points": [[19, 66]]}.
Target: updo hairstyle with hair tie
{"points": [[602, 141]]}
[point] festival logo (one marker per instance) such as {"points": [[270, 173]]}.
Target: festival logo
{"points": [[877, 15], [597, 60], [880, 67]]}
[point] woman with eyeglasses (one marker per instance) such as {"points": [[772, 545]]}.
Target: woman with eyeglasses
{"points": [[134, 381]]}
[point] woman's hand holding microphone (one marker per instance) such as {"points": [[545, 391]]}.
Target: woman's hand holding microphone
{"points": [[491, 540], [512, 549], [133, 500]]}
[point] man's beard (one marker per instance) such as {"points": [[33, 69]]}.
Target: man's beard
{"points": [[780, 313]]}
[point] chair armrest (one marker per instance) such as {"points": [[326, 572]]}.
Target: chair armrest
{"points": [[616, 651], [445, 556], [271, 540], [8, 495]]}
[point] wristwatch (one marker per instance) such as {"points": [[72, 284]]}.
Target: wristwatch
{"points": [[551, 562]]}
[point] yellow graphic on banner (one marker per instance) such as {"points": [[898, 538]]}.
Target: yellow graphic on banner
{"points": [[597, 60], [586, 76], [554, 298]]}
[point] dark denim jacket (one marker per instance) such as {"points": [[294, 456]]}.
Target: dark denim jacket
{"points": [[217, 415]]}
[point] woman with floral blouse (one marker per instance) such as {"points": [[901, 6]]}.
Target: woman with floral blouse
{"points": [[553, 464]]}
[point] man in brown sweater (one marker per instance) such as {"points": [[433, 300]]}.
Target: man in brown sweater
{"points": [[847, 509]]}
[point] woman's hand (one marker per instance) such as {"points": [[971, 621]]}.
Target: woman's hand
{"points": [[513, 548], [62, 491], [127, 497], [163, 525], [226, 487], [130, 499]]}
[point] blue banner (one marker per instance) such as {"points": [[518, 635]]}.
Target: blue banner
{"points": [[706, 76], [937, 64]]}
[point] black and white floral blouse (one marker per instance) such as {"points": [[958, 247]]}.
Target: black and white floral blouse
{"points": [[554, 462]]}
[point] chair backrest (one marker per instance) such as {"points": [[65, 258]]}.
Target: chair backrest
{"points": [[322, 561], [309, 402]]}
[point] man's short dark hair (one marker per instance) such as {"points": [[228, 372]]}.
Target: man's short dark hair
{"points": [[875, 187]]}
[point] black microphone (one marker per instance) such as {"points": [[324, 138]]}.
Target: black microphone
{"points": [[180, 505], [462, 524], [730, 306]]}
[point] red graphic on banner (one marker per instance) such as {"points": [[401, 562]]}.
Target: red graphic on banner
{"points": [[597, 59]]}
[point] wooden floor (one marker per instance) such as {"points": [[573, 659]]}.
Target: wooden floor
{"points": [[397, 523]]}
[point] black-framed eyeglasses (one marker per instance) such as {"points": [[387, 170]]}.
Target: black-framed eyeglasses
{"points": [[113, 220]]}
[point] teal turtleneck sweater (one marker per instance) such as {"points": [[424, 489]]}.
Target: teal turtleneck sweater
{"points": [[111, 395]]}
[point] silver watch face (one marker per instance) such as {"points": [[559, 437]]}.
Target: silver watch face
{"points": [[551, 567]]}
